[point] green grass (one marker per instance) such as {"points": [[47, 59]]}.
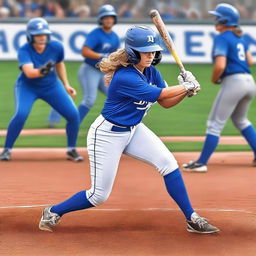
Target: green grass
{"points": [[60, 141], [197, 146], [187, 118]]}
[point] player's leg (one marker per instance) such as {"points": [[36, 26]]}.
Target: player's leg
{"points": [[54, 118], [104, 149], [58, 98], [89, 78], [224, 104], [239, 116], [152, 150], [24, 99]]}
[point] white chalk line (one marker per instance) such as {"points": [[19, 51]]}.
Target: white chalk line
{"points": [[138, 209]]}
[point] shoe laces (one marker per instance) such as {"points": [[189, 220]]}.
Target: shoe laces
{"points": [[54, 218], [200, 221]]}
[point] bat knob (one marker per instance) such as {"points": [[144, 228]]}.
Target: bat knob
{"points": [[153, 13]]}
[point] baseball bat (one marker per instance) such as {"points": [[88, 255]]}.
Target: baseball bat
{"points": [[157, 20]]}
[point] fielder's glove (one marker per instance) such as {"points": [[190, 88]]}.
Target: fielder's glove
{"points": [[47, 68]]}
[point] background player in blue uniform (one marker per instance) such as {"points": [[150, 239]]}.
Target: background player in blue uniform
{"points": [[231, 68], [99, 43], [134, 86], [42, 68]]}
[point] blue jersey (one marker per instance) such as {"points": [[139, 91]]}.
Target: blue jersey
{"points": [[27, 54], [234, 48], [131, 94], [101, 42]]}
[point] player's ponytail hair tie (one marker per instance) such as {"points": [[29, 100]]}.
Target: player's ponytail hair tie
{"points": [[112, 63]]}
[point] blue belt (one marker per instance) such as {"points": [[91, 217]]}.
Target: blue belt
{"points": [[116, 128]]}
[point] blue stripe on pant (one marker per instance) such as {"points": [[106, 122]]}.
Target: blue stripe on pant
{"points": [[56, 96]]}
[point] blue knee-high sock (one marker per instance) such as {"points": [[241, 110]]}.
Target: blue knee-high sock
{"points": [[210, 144], [83, 111], [250, 135], [77, 202], [54, 117], [177, 190]]}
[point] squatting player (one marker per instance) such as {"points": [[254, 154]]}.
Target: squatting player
{"points": [[43, 76], [99, 43], [231, 69], [134, 85]]}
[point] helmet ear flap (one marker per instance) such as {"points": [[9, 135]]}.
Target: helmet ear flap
{"points": [[220, 21], [134, 56], [157, 59], [30, 39]]}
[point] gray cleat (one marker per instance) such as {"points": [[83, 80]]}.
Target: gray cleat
{"points": [[49, 220], [194, 166], [6, 155], [200, 225], [74, 156]]}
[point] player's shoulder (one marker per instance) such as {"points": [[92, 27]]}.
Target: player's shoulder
{"points": [[55, 45], [95, 31], [227, 35], [222, 38], [124, 74], [25, 47], [124, 71], [115, 34]]}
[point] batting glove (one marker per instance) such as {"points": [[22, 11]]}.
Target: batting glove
{"points": [[187, 76], [193, 86]]}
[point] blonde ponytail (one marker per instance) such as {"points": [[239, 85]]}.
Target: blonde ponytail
{"points": [[112, 63]]}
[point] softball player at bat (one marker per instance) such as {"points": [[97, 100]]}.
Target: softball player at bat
{"points": [[231, 68], [134, 85], [42, 68], [99, 43]]}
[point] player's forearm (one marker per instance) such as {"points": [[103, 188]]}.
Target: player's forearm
{"points": [[89, 53], [170, 102], [218, 68], [62, 73], [249, 58], [35, 73], [216, 74], [172, 92], [31, 72]]}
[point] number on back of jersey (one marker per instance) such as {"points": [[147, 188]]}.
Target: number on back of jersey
{"points": [[241, 52]]}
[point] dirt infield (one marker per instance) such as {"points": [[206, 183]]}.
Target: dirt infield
{"points": [[138, 219]]}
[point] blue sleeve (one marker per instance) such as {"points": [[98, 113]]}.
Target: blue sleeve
{"points": [[246, 44], [60, 57], [159, 80], [132, 86], [220, 47], [24, 57], [91, 41]]}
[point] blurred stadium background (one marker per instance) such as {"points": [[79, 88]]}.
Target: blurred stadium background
{"points": [[189, 24]]}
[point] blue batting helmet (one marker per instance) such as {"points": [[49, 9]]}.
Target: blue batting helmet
{"points": [[37, 26], [226, 15], [142, 39], [106, 10]]}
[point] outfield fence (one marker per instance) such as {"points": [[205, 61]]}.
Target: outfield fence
{"points": [[193, 40]]}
